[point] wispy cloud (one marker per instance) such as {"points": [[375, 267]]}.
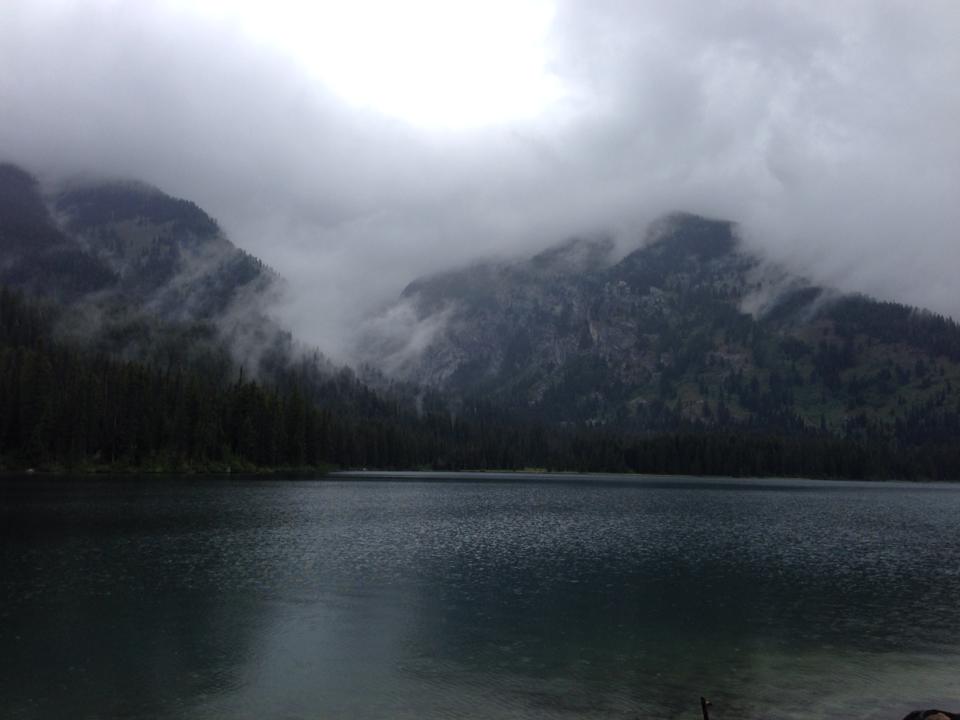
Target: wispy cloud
{"points": [[829, 131]]}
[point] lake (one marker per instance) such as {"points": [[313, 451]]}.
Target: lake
{"points": [[492, 596]]}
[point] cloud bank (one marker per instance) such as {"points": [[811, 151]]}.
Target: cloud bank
{"points": [[828, 130]]}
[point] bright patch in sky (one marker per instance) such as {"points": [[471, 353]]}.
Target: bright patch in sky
{"points": [[434, 63]]}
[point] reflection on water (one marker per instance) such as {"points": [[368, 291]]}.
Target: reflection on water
{"points": [[376, 599]]}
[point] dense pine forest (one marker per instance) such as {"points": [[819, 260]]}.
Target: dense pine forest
{"points": [[65, 407]]}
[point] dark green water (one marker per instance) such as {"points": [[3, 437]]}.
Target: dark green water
{"points": [[415, 599]]}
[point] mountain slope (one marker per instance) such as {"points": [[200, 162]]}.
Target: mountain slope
{"points": [[167, 253], [134, 269], [687, 331], [689, 355], [35, 254]]}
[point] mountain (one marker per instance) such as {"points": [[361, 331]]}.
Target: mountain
{"points": [[134, 335], [133, 267], [36, 254], [688, 331], [168, 255]]}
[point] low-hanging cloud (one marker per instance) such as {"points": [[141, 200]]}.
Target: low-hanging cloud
{"points": [[828, 131]]}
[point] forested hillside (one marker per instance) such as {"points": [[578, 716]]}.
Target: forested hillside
{"points": [[133, 336], [62, 406], [134, 270], [68, 408], [689, 330]]}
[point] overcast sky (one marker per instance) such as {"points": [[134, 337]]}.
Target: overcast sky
{"points": [[356, 145]]}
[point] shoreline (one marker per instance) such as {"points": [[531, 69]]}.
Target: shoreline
{"points": [[464, 476]]}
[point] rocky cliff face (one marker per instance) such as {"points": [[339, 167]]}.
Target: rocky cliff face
{"points": [[688, 329]]}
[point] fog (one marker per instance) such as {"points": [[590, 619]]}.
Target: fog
{"points": [[829, 131]]}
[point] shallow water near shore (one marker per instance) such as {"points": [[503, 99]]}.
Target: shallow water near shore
{"points": [[491, 596]]}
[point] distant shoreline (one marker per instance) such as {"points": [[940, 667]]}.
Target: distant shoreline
{"points": [[467, 476], [611, 478]]}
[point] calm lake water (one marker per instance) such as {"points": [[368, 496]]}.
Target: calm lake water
{"points": [[502, 598]]}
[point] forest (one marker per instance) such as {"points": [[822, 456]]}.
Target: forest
{"points": [[67, 407]]}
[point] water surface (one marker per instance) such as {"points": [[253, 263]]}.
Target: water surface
{"points": [[484, 597]]}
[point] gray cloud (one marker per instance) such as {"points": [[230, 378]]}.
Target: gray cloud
{"points": [[829, 130]]}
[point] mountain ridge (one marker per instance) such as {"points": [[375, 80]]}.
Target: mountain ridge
{"points": [[688, 354], [688, 329], [128, 264]]}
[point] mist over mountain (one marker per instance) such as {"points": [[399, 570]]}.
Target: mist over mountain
{"points": [[37, 255], [693, 328], [363, 148], [689, 354], [129, 263], [826, 131], [135, 336]]}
